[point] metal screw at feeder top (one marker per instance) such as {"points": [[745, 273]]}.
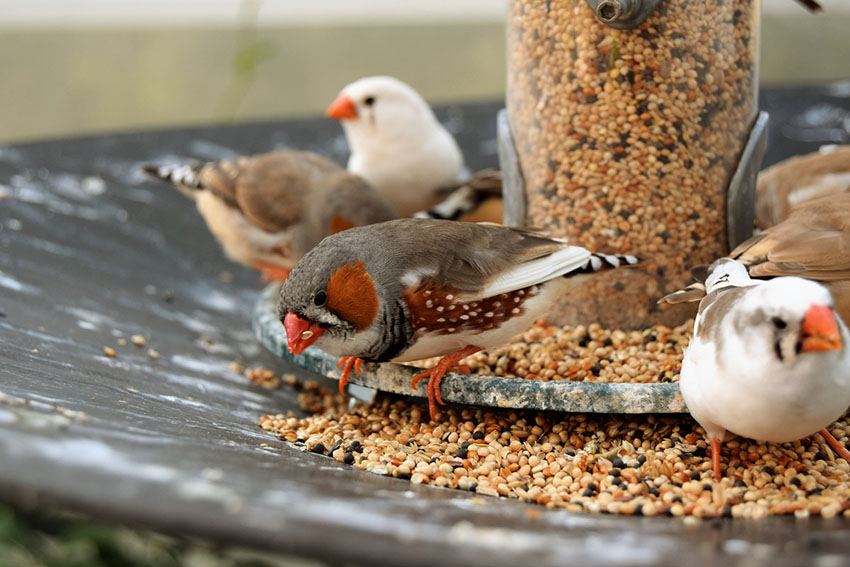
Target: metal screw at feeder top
{"points": [[622, 14]]}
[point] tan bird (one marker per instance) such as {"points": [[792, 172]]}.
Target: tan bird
{"points": [[798, 179], [813, 243], [268, 210]]}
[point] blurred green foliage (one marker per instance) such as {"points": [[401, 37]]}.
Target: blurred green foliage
{"points": [[31, 539]]}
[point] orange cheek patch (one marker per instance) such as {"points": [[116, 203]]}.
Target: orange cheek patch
{"points": [[351, 295], [339, 223]]}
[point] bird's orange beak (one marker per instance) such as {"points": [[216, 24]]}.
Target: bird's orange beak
{"points": [[300, 333], [342, 108], [820, 330]]}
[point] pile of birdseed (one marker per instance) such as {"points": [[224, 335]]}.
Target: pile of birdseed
{"points": [[585, 354], [627, 139], [619, 464], [635, 465]]}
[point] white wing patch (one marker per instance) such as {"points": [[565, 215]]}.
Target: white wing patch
{"points": [[535, 271], [415, 277]]}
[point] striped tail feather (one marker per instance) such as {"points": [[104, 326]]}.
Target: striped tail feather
{"points": [[486, 184], [598, 261], [181, 175]]}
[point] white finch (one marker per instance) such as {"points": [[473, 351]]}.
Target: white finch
{"points": [[767, 360], [396, 142]]}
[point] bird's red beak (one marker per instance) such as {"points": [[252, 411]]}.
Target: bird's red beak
{"points": [[342, 108], [820, 330], [300, 333]]}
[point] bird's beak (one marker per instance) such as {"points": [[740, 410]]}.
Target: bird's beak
{"points": [[820, 330], [342, 108], [300, 333]]}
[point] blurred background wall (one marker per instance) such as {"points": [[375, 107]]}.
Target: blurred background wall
{"points": [[72, 67]]}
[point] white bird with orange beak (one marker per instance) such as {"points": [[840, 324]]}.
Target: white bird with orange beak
{"points": [[768, 360], [397, 144]]}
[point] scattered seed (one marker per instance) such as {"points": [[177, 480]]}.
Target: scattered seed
{"points": [[263, 377], [566, 461]]}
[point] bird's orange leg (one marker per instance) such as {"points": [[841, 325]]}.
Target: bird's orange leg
{"points": [[715, 458], [833, 442], [347, 362], [272, 272], [435, 376]]}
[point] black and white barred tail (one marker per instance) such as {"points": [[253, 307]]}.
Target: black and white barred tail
{"points": [[188, 176], [597, 262], [486, 184]]}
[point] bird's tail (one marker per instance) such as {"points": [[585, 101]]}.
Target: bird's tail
{"points": [[465, 198], [181, 175], [597, 262], [691, 293], [723, 272], [592, 263]]}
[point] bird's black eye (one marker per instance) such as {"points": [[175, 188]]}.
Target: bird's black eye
{"points": [[320, 299], [369, 100], [779, 323]]}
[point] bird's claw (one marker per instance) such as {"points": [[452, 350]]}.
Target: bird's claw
{"points": [[346, 363]]}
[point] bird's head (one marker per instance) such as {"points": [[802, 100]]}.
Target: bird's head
{"points": [[380, 106], [795, 315], [329, 300]]}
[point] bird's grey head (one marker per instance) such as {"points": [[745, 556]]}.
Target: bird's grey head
{"points": [[328, 296]]}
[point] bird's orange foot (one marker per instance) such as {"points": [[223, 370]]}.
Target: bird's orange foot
{"points": [[715, 458], [435, 376], [836, 446], [345, 364], [272, 272]]}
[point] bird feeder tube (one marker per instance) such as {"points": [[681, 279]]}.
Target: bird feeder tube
{"points": [[628, 140]]}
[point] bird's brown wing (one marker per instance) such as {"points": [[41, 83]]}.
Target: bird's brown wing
{"points": [[814, 242], [799, 179], [271, 189]]}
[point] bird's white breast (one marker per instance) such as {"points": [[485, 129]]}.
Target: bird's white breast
{"points": [[754, 395]]}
